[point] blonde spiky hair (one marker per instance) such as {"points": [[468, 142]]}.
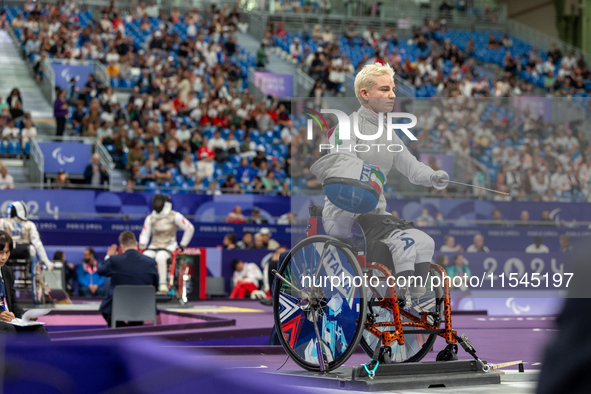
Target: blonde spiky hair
{"points": [[365, 79]]}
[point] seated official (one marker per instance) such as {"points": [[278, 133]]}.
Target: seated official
{"points": [[128, 268], [8, 303], [90, 283]]}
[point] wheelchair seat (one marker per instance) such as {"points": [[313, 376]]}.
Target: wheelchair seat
{"points": [[21, 254]]}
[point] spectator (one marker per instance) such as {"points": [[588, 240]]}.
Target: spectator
{"points": [[245, 279], [443, 261], [267, 241], [162, 172], [10, 132], [565, 244], [236, 215], [256, 217], [61, 180], [449, 245], [285, 219], [440, 219], [261, 57], [478, 245], [95, 174], [497, 219], [425, 219], [187, 167], [6, 180], [28, 132], [135, 154], [60, 111], [537, 247], [229, 241], [205, 167], [459, 269], [90, 283], [246, 242], [129, 268], [524, 219], [545, 219], [146, 173]]}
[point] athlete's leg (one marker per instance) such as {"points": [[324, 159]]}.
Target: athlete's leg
{"points": [[161, 261], [424, 250]]}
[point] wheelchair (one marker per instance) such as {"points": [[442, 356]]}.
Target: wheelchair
{"points": [[178, 275], [29, 272], [320, 323]]}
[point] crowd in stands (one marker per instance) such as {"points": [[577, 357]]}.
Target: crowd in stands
{"points": [[434, 59], [516, 150], [16, 125], [190, 121]]}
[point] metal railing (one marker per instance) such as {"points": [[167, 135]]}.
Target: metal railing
{"points": [[36, 165], [100, 71], [542, 40]]}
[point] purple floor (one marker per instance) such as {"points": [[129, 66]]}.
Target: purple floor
{"points": [[239, 338], [496, 338]]}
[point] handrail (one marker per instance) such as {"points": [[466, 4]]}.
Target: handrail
{"points": [[541, 40], [39, 160]]}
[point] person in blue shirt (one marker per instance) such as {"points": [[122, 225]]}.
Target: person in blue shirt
{"points": [[90, 283], [459, 269], [243, 172]]}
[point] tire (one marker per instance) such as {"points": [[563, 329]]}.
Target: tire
{"points": [[416, 346], [341, 313]]}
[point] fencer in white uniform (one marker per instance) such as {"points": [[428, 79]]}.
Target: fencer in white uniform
{"points": [[22, 230], [161, 226], [412, 249]]}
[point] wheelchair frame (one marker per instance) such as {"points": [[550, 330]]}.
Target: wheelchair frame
{"points": [[177, 278], [29, 275], [393, 331]]}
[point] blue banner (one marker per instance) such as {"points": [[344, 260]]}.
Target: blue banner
{"points": [[91, 201], [104, 233], [65, 72], [72, 157], [467, 210]]}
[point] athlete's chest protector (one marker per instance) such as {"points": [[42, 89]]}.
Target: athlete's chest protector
{"points": [[163, 230], [19, 230]]}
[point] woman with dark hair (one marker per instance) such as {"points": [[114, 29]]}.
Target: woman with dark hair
{"points": [[60, 111], [9, 308]]}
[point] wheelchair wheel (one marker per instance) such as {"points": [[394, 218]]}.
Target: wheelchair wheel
{"points": [[38, 283], [416, 346], [309, 311]]}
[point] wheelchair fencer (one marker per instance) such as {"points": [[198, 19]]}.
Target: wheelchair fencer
{"points": [[28, 260], [158, 240], [177, 273], [320, 321], [362, 278]]}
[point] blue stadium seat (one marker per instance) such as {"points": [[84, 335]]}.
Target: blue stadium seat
{"points": [[14, 147], [179, 180]]}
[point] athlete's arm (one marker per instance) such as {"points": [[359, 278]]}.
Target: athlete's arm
{"points": [[36, 241], [417, 173], [146, 233], [186, 226]]}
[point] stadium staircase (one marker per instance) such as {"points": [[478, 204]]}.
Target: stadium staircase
{"points": [[14, 73]]}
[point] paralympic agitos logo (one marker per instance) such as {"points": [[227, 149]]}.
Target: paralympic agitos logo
{"points": [[340, 135]]}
